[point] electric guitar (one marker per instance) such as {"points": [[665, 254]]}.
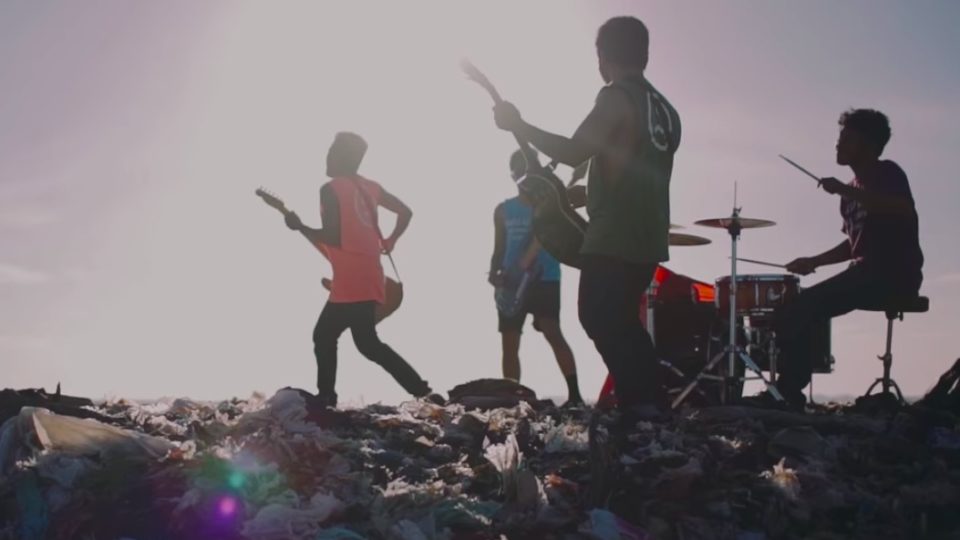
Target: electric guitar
{"points": [[393, 289], [557, 226]]}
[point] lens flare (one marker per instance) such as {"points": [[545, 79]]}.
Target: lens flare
{"points": [[227, 506], [236, 480]]}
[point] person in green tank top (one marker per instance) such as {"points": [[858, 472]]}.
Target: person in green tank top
{"points": [[630, 138]]}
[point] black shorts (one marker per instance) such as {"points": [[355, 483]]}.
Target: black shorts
{"points": [[542, 301]]}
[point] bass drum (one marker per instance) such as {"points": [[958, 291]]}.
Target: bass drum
{"points": [[687, 332], [679, 313]]}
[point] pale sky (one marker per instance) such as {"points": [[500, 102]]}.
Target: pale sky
{"points": [[135, 260]]}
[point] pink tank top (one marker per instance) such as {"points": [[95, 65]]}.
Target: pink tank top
{"points": [[357, 273]]}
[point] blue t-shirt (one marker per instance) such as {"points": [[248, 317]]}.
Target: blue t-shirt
{"points": [[518, 222]]}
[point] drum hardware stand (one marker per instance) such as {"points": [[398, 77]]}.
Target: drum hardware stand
{"points": [[732, 351], [765, 337], [773, 351]]}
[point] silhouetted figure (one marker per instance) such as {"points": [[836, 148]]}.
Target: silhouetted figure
{"points": [[880, 221], [516, 252], [630, 136], [351, 238]]}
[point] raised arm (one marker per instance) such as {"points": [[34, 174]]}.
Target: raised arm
{"points": [[878, 202], [611, 107]]}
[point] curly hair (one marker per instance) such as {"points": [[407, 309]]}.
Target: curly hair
{"points": [[873, 125]]}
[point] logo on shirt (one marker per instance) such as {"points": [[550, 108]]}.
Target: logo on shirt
{"points": [[659, 123]]}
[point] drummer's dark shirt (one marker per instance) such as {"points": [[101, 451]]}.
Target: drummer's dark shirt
{"points": [[887, 244]]}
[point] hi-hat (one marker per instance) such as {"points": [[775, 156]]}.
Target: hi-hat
{"points": [[744, 223], [680, 239]]}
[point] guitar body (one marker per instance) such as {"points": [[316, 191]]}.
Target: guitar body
{"points": [[393, 293], [394, 297], [557, 226]]}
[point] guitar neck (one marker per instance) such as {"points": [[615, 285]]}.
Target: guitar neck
{"points": [[524, 145], [532, 162]]}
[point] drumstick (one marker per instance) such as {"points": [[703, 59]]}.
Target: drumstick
{"points": [[801, 169], [760, 262], [765, 263]]}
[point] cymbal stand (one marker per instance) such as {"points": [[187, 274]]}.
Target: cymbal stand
{"points": [[732, 351]]}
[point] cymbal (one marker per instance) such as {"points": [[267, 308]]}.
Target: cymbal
{"points": [[675, 226], [680, 239], [745, 223]]}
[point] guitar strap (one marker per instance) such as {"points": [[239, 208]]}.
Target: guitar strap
{"points": [[372, 208]]}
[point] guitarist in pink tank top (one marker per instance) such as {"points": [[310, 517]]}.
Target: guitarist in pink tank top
{"points": [[357, 272], [350, 236]]}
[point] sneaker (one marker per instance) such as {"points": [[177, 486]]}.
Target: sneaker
{"points": [[792, 401], [321, 402], [576, 403]]}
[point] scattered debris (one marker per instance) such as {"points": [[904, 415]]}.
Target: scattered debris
{"points": [[494, 463]]}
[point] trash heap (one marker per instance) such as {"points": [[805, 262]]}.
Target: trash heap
{"points": [[494, 463]]}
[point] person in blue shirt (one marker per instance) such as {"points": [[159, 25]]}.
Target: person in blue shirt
{"points": [[515, 252]]}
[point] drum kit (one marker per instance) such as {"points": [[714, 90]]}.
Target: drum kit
{"points": [[718, 333]]}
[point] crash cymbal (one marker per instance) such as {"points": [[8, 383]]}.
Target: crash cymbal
{"points": [[745, 223], [675, 226], [680, 239]]}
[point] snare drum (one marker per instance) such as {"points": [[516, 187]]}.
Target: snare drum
{"points": [[757, 294]]}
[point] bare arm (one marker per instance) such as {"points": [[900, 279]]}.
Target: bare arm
{"points": [[329, 233], [890, 194], [589, 139], [877, 202], [403, 212], [837, 254], [499, 240], [530, 255], [806, 265]]}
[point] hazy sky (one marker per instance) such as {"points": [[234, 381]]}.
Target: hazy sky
{"points": [[136, 261]]}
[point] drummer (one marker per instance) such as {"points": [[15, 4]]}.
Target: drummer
{"points": [[882, 245]]}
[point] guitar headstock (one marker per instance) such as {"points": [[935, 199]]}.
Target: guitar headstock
{"points": [[272, 200], [474, 74]]}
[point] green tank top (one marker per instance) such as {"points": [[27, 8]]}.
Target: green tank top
{"points": [[630, 220]]}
